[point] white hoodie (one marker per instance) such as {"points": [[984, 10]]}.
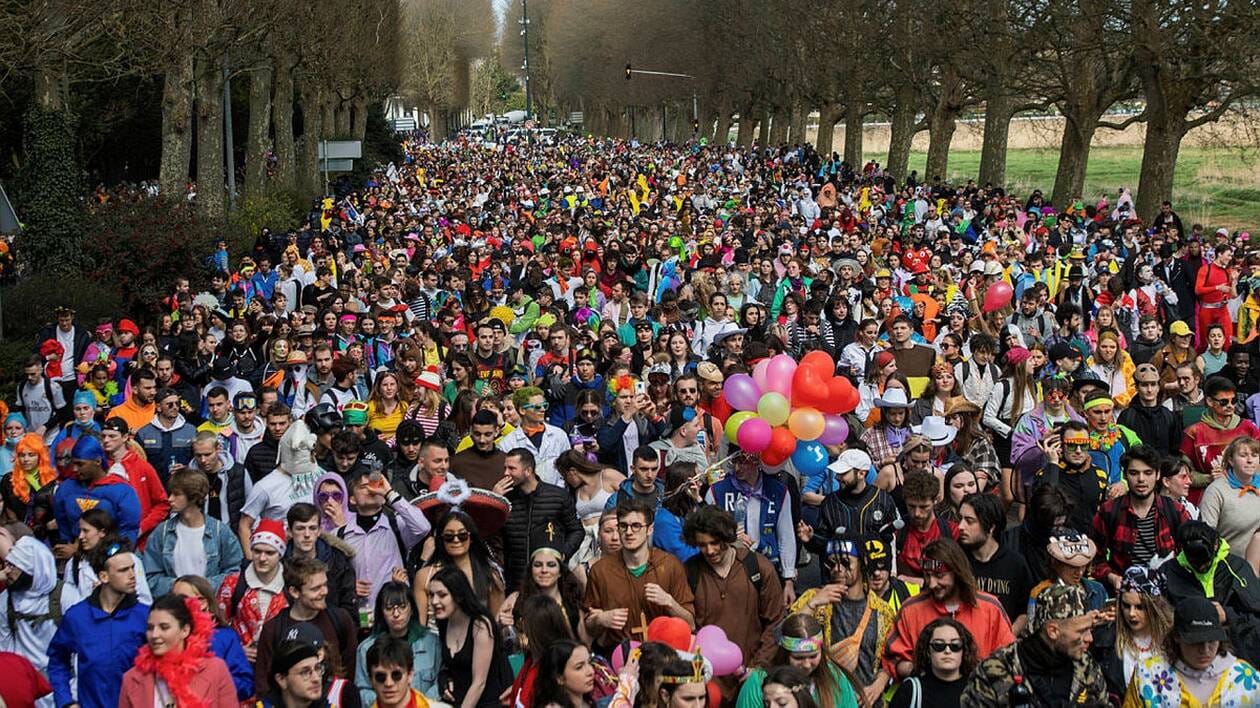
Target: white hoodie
{"points": [[32, 638]]}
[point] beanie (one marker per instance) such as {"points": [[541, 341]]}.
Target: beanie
{"points": [[268, 532], [84, 398]]}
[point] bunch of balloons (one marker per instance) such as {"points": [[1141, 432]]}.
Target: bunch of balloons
{"points": [[790, 410]]}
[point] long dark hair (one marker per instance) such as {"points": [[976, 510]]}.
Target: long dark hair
{"points": [[678, 501], [568, 585], [484, 570], [464, 598], [543, 624], [551, 666], [922, 653], [795, 681], [392, 593]]}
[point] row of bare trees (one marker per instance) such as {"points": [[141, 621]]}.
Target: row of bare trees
{"points": [[313, 68], [919, 66]]}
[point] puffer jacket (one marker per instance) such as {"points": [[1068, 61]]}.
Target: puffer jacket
{"points": [[548, 507], [1230, 581], [111, 493]]}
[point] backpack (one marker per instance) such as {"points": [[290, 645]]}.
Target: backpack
{"points": [[53, 613], [692, 566]]}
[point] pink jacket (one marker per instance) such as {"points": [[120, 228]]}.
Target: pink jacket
{"points": [[212, 682]]}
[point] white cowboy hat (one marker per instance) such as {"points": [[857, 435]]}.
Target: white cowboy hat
{"points": [[935, 428], [893, 398]]}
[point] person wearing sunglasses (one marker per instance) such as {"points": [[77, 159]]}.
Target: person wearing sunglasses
{"points": [[1220, 425], [1070, 466], [390, 670], [84, 665], [545, 441], [397, 627], [944, 657], [1061, 634]]}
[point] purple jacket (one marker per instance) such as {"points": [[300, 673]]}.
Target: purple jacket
{"points": [[1026, 457]]}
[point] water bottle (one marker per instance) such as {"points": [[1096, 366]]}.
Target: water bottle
{"points": [[365, 615], [1019, 695], [700, 438], [740, 513]]}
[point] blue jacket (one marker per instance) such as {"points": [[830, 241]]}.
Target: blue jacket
{"points": [[668, 535], [725, 495], [111, 493], [223, 554], [425, 663], [105, 646], [226, 645], [164, 447]]}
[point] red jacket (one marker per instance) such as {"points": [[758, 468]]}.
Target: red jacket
{"points": [[1205, 283], [986, 620], [1204, 443], [154, 506]]}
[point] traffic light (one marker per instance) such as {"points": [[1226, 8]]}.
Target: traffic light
{"points": [[629, 72]]}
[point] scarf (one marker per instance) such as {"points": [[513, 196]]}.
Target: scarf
{"points": [[177, 669], [1242, 487], [748, 490], [1210, 421]]}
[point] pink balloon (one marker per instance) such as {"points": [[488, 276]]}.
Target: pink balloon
{"points": [[997, 296], [726, 658], [710, 636], [779, 375], [835, 430], [753, 435], [759, 374], [742, 392]]}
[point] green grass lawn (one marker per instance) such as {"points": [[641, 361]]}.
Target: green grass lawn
{"points": [[1214, 186]]}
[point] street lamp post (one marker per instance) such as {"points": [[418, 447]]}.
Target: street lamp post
{"points": [[695, 100], [524, 22]]}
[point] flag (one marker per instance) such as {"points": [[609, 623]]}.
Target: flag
{"points": [[353, 214]]}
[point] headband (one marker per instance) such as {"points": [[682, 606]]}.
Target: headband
{"points": [[1099, 402], [701, 670], [801, 645], [548, 551], [931, 565]]}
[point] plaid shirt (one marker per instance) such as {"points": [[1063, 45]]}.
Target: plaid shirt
{"points": [[1115, 529]]}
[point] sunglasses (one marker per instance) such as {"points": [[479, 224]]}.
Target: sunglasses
{"points": [[1224, 401], [939, 647], [534, 407], [456, 536], [393, 676], [323, 497]]}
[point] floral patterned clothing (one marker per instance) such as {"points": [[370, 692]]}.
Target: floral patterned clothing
{"points": [[1156, 684]]}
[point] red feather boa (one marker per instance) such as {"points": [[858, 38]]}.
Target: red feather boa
{"points": [[178, 668]]}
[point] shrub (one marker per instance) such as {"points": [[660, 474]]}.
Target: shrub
{"points": [[137, 248], [49, 199], [279, 212]]}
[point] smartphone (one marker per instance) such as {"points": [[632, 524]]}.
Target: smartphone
{"points": [[1109, 606], [640, 387]]}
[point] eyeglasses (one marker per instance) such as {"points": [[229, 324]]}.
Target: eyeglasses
{"points": [[311, 671], [456, 537], [393, 676], [397, 607], [634, 527], [688, 390], [940, 647], [1075, 445]]}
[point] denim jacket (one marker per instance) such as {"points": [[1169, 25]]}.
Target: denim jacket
{"points": [[223, 554]]}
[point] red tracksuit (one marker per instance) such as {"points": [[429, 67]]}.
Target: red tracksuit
{"points": [[1212, 307]]}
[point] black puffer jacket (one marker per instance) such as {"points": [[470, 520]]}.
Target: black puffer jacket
{"points": [[1157, 426], [525, 528]]}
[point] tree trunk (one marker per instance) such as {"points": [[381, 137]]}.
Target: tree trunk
{"points": [[763, 128], [722, 131], [285, 177], [259, 131], [1078, 133], [779, 127], [358, 127], [902, 134], [747, 127], [800, 116], [310, 179], [1159, 161], [828, 116], [211, 192], [998, 110], [853, 134], [177, 128], [343, 131], [941, 126]]}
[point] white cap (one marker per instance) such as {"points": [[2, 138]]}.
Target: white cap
{"points": [[851, 460]]}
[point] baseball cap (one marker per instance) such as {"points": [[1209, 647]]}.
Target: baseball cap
{"points": [[1179, 328], [1195, 620], [875, 554], [300, 642], [1058, 602], [1063, 350], [116, 424], [851, 460]]}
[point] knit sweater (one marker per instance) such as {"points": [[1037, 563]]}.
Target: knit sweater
{"points": [[1236, 517]]}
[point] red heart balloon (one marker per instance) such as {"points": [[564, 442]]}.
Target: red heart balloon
{"points": [[843, 391], [821, 362], [809, 390], [782, 445]]}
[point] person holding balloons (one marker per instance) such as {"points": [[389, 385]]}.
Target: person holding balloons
{"points": [[763, 511]]}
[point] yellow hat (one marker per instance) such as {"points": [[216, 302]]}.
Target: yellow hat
{"points": [[1179, 328]]}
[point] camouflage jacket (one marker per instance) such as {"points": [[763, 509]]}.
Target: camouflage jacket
{"points": [[990, 683]]}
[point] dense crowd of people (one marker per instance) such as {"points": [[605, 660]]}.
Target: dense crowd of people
{"points": [[462, 439]]}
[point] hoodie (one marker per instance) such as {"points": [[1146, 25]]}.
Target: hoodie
{"points": [[232, 484], [1229, 580], [240, 442], [325, 522], [31, 636], [111, 493]]}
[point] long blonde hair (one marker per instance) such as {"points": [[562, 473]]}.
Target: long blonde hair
{"points": [[1159, 618]]}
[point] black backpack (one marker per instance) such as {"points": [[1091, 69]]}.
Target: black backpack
{"points": [[53, 613]]}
